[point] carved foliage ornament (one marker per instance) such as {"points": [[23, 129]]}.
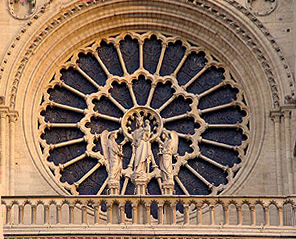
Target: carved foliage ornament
{"points": [[143, 113]]}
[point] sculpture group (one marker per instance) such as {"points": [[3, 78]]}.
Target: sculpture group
{"points": [[141, 158]]}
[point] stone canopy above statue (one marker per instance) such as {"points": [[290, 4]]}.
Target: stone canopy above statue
{"points": [[143, 113]]}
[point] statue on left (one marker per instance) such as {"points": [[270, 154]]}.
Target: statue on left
{"points": [[113, 154]]}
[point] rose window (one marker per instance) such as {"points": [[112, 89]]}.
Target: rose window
{"points": [[143, 113]]}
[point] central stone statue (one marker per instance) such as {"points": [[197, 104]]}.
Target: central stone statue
{"points": [[142, 149]]}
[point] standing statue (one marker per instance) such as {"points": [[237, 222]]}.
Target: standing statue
{"points": [[168, 149], [142, 148], [113, 153]]}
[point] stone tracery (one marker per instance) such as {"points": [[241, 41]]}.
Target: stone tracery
{"points": [[183, 89]]}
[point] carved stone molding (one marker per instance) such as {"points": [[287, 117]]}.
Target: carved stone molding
{"points": [[208, 6]]}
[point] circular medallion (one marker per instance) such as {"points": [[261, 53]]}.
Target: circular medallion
{"points": [[261, 7], [143, 113]]}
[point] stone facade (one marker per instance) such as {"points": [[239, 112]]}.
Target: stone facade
{"points": [[254, 39]]}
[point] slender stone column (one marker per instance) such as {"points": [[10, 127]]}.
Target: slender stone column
{"points": [[289, 162], [4, 162], [13, 116], [276, 117]]}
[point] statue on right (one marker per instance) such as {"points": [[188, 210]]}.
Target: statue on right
{"points": [[167, 150]]}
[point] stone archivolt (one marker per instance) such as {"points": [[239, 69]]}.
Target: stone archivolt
{"points": [[178, 78]]}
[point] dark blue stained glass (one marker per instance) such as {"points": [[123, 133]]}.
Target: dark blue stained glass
{"points": [[192, 65], [130, 53], [65, 97], [58, 115], [172, 57], [121, 93], [211, 173], [128, 210], [154, 210], [151, 53], [185, 126], [153, 187], [177, 107], [90, 65], [98, 125], [141, 88], [65, 154], [229, 115], [74, 172], [94, 182], [98, 146], [184, 146], [220, 96], [77, 81], [127, 154], [109, 56], [225, 135], [207, 80], [161, 94], [58, 135], [106, 107], [193, 185], [130, 189], [220, 155], [178, 189]]}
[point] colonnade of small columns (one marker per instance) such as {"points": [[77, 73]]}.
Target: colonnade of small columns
{"points": [[171, 210]]}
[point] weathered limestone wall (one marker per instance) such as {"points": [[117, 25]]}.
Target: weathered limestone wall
{"points": [[281, 24]]}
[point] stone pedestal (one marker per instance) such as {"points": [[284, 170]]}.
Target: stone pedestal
{"points": [[167, 189], [140, 186], [114, 187]]}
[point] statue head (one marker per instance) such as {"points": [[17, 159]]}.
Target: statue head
{"points": [[165, 134], [113, 135], [139, 121], [147, 122]]}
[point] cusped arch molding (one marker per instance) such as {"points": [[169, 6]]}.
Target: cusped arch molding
{"points": [[50, 38]]}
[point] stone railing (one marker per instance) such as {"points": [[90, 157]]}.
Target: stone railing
{"points": [[149, 215]]}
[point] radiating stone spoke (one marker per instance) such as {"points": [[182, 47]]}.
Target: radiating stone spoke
{"points": [[115, 102], [102, 64], [121, 59], [219, 107], [86, 76], [164, 46], [67, 107], [141, 43], [177, 117], [71, 89], [90, 172], [181, 185], [61, 125], [153, 86], [126, 179], [103, 187], [218, 144], [196, 76], [170, 100], [67, 143], [198, 175], [130, 88], [211, 89], [211, 161], [107, 117], [74, 160], [184, 136], [181, 63], [231, 126]]}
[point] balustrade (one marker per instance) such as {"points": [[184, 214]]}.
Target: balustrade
{"points": [[171, 211]]}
